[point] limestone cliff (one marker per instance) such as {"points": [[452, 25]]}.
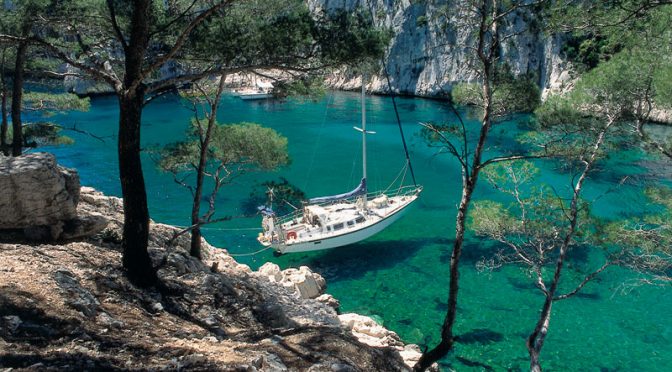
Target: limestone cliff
{"points": [[427, 54]]}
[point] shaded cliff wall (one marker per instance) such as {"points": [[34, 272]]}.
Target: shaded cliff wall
{"points": [[427, 54]]}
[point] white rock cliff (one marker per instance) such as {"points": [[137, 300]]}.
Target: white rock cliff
{"points": [[427, 54]]}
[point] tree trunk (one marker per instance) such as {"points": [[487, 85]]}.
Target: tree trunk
{"points": [[4, 146], [203, 160], [536, 339], [447, 338], [136, 260], [195, 250], [469, 180], [17, 96]]}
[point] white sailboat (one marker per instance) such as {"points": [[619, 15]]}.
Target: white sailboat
{"points": [[338, 220], [263, 90]]}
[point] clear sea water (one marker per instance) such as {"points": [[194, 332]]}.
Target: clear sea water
{"points": [[400, 275]]}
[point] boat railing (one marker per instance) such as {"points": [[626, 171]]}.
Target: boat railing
{"points": [[398, 191]]}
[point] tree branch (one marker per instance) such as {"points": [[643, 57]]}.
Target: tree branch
{"points": [[587, 279], [181, 39], [115, 25]]}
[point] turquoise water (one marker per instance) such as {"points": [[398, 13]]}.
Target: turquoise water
{"points": [[400, 275]]}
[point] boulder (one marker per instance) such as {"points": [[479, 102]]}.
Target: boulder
{"points": [[302, 281], [368, 331], [271, 271], [36, 191], [329, 300]]}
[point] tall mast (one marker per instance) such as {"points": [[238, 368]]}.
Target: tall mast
{"points": [[363, 130], [364, 135]]}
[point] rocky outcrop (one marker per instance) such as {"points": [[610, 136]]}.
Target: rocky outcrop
{"points": [[36, 191], [427, 54], [69, 306], [41, 197], [303, 282]]}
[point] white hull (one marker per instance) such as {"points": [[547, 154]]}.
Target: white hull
{"points": [[310, 240], [344, 239], [253, 96]]}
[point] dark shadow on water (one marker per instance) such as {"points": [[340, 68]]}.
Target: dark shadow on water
{"points": [[480, 336], [474, 249], [474, 364], [440, 305], [354, 261], [521, 283], [589, 295]]}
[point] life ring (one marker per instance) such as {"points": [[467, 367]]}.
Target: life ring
{"points": [[291, 235]]}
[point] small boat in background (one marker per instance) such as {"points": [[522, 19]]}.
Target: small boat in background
{"points": [[263, 90]]}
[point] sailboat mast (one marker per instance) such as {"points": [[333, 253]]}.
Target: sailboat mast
{"points": [[364, 135]]}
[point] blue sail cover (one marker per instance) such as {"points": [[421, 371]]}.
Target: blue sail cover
{"points": [[360, 190]]}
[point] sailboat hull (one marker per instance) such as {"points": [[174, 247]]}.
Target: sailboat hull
{"points": [[346, 238]]}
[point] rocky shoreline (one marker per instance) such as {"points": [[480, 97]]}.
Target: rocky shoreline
{"points": [[67, 305]]}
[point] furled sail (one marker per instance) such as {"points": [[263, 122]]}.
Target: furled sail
{"points": [[360, 190]]}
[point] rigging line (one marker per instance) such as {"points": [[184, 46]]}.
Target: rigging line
{"points": [[394, 102], [222, 229], [402, 170], [248, 254], [396, 112]]}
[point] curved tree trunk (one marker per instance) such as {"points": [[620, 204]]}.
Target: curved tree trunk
{"points": [[469, 180], [136, 259], [4, 146], [136, 214], [447, 338], [17, 96], [195, 249], [535, 340], [202, 162]]}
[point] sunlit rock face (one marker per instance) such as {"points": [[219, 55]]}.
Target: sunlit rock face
{"points": [[428, 53], [36, 191]]}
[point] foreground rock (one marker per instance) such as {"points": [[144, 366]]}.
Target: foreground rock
{"points": [[36, 191], [303, 282], [69, 307], [40, 197]]}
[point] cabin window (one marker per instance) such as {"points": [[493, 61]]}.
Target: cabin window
{"points": [[338, 226], [350, 223], [359, 219]]}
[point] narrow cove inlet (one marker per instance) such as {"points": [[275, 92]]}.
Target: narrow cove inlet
{"points": [[400, 276]]}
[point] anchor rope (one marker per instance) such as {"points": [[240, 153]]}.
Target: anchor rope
{"points": [[248, 254]]}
